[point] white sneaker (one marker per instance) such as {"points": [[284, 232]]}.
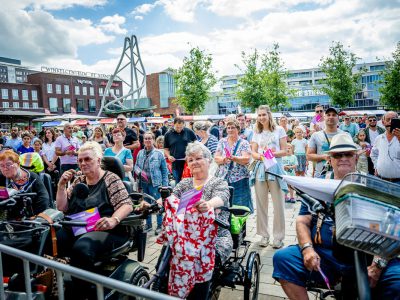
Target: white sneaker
{"points": [[277, 244], [264, 242]]}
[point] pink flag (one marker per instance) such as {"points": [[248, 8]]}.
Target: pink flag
{"points": [[269, 159]]}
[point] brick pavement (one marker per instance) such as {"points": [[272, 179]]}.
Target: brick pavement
{"points": [[269, 288]]}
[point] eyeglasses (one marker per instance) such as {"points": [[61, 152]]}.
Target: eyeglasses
{"points": [[85, 159], [319, 111], [339, 155], [6, 166], [372, 120]]}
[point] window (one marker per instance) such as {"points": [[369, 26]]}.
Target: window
{"points": [[34, 95], [84, 90], [92, 105], [80, 105], [58, 88], [91, 91], [101, 91], [116, 92], [25, 105], [49, 88], [16, 104], [377, 68], [6, 105], [66, 89], [35, 105], [53, 104], [77, 90], [4, 93], [25, 95], [167, 89], [67, 105], [15, 95]]}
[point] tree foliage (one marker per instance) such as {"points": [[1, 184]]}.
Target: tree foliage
{"points": [[263, 80], [390, 91], [194, 81], [340, 84]]}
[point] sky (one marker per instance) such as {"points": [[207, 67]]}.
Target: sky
{"points": [[88, 35]]}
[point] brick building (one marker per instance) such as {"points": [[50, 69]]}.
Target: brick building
{"points": [[160, 89]]}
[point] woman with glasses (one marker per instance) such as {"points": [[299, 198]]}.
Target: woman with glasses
{"points": [[99, 136], [151, 169], [119, 151], [16, 178], [267, 138], [232, 156], [108, 194]]}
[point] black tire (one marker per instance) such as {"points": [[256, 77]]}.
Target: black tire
{"points": [[138, 279], [252, 277]]}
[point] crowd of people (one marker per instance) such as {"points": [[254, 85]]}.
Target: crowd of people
{"points": [[212, 156]]}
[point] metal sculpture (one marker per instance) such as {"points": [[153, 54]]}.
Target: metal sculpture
{"points": [[130, 58]]}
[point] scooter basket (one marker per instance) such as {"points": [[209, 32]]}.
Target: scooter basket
{"points": [[367, 216], [27, 237]]}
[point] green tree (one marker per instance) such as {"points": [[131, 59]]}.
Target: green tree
{"points": [[251, 90], [275, 76], [340, 84], [390, 91], [263, 80], [194, 81]]}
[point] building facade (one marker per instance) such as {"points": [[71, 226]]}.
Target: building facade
{"points": [[11, 71], [160, 88], [306, 84]]}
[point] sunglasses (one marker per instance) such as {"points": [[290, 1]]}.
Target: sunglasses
{"points": [[85, 159], [372, 120], [319, 111], [343, 154]]}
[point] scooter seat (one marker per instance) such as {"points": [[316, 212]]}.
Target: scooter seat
{"points": [[125, 248]]}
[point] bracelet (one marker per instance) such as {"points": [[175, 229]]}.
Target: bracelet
{"points": [[305, 246], [117, 219]]}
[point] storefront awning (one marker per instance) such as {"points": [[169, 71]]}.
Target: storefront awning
{"points": [[51, 124], [108, 121], [136, 119], [80, 122]]}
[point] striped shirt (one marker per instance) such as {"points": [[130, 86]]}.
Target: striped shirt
{"points": [[212, 144]]}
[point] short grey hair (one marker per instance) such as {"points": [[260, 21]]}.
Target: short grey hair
{"points": [[196, 147], [94, 147], [201, 125]]}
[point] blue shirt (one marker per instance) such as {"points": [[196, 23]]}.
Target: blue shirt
{"points": [[22, 149], [123, 155], [13, 143]]}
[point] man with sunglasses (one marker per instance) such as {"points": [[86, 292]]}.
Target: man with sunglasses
{"points": [[385, 153], [131, 141], [295, 265], [67, 147], [371, 133]]}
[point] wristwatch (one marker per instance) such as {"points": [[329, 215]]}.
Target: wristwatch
{"points": [[380, 262], [305, 246]]}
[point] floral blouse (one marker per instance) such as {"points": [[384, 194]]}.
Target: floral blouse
{"points": [[236, 172]]}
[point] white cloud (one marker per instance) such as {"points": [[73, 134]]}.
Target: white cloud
{"points": [[139, 18], [57, 4], [144, 8], [113, 24]]}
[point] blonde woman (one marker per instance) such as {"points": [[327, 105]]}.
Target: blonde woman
{"points": [[100, 137], [267, 135]]}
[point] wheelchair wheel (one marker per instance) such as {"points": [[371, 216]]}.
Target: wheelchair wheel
{"points": [[252, 277], [139, 279]]}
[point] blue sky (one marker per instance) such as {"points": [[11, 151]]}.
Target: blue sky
{"points": [[88, 35]]}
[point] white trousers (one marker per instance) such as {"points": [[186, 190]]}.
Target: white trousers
{"points": [[262, 188]]}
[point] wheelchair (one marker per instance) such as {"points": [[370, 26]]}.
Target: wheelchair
{"points": [[240, 269]]}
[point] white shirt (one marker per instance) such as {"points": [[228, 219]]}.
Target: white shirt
{"points": [[373, 135], [386, 156], [49, 150], [268, 138]]}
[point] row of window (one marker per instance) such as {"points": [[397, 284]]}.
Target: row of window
{"points": [[78, 90], [66, 105], [16, 96], [16, 105]]}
